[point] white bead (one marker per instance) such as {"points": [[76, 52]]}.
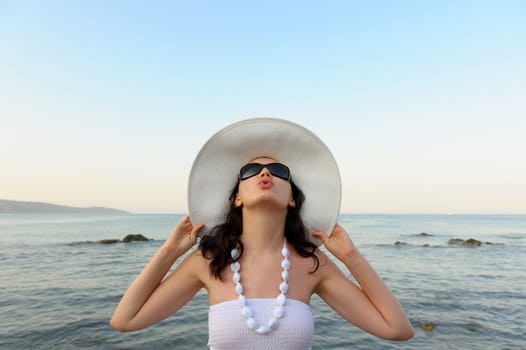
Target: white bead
{"points": [[246, 312], [251, 323], [273, 323], [236, 277], [263, 330], [285, 264], [242, 300], [285, 252], [283, 287], [239, 289], [281, 299], [235, 266], [234, 253], [285, 275], [279, 311]]}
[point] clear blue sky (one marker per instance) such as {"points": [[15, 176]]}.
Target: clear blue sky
{"points": [[107, 102]]}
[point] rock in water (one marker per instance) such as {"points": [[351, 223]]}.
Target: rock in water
{"points": [[108, 241], [455, 241], [428, 326], [472, 242], [134, 238]]}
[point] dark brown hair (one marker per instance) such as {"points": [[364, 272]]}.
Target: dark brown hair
{"points": [[224, 237]]}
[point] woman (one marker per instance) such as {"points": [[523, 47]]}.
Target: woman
{"points": [[260, 267]]}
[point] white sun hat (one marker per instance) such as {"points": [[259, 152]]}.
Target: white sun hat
{"points": [[312, 166]]}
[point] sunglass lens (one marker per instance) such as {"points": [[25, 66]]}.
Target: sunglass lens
{"points": [[279, 170], [249, 170]]}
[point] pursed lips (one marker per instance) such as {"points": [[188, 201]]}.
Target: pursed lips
{"points": [[265, 183]]}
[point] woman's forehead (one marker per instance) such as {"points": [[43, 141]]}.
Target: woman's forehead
{"points": [[263, 159]]}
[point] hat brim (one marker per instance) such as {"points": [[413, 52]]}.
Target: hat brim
{"points": [[313, 169]]}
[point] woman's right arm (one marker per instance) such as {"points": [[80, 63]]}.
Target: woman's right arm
{"points": [[149, 299]]}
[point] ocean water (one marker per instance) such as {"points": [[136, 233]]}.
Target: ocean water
{"points": [[59, 288]]}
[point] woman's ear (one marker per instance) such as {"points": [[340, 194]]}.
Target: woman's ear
{"points": [[292, 203], [237, 202]]}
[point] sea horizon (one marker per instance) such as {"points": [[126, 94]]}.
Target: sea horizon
{"points": [[112, 210]]}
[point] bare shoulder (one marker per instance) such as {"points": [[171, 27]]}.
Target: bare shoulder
{"points": [[196, 261], [200, 266], [193, 264], [315, 267], [326, 263], [328, 270]]}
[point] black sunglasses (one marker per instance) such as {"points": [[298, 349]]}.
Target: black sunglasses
{"points": [[276, 169]]}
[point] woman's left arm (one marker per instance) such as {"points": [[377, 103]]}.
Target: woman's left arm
{"points": [[373, 307]]}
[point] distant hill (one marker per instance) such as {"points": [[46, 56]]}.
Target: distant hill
{"points": [[9, 206]]}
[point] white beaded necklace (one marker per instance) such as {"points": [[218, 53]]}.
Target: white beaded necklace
{"points": [[246, 311]]}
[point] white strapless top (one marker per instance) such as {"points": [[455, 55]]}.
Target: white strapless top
{"points": [[227, 328]]}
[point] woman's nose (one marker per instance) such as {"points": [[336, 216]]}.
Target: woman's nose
{"points": [[264, 172]]}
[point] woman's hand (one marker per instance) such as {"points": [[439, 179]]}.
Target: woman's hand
{"points": [[183, 237], [338, 243]]}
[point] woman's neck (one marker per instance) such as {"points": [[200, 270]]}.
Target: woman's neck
{"points": [[263, 230]]}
